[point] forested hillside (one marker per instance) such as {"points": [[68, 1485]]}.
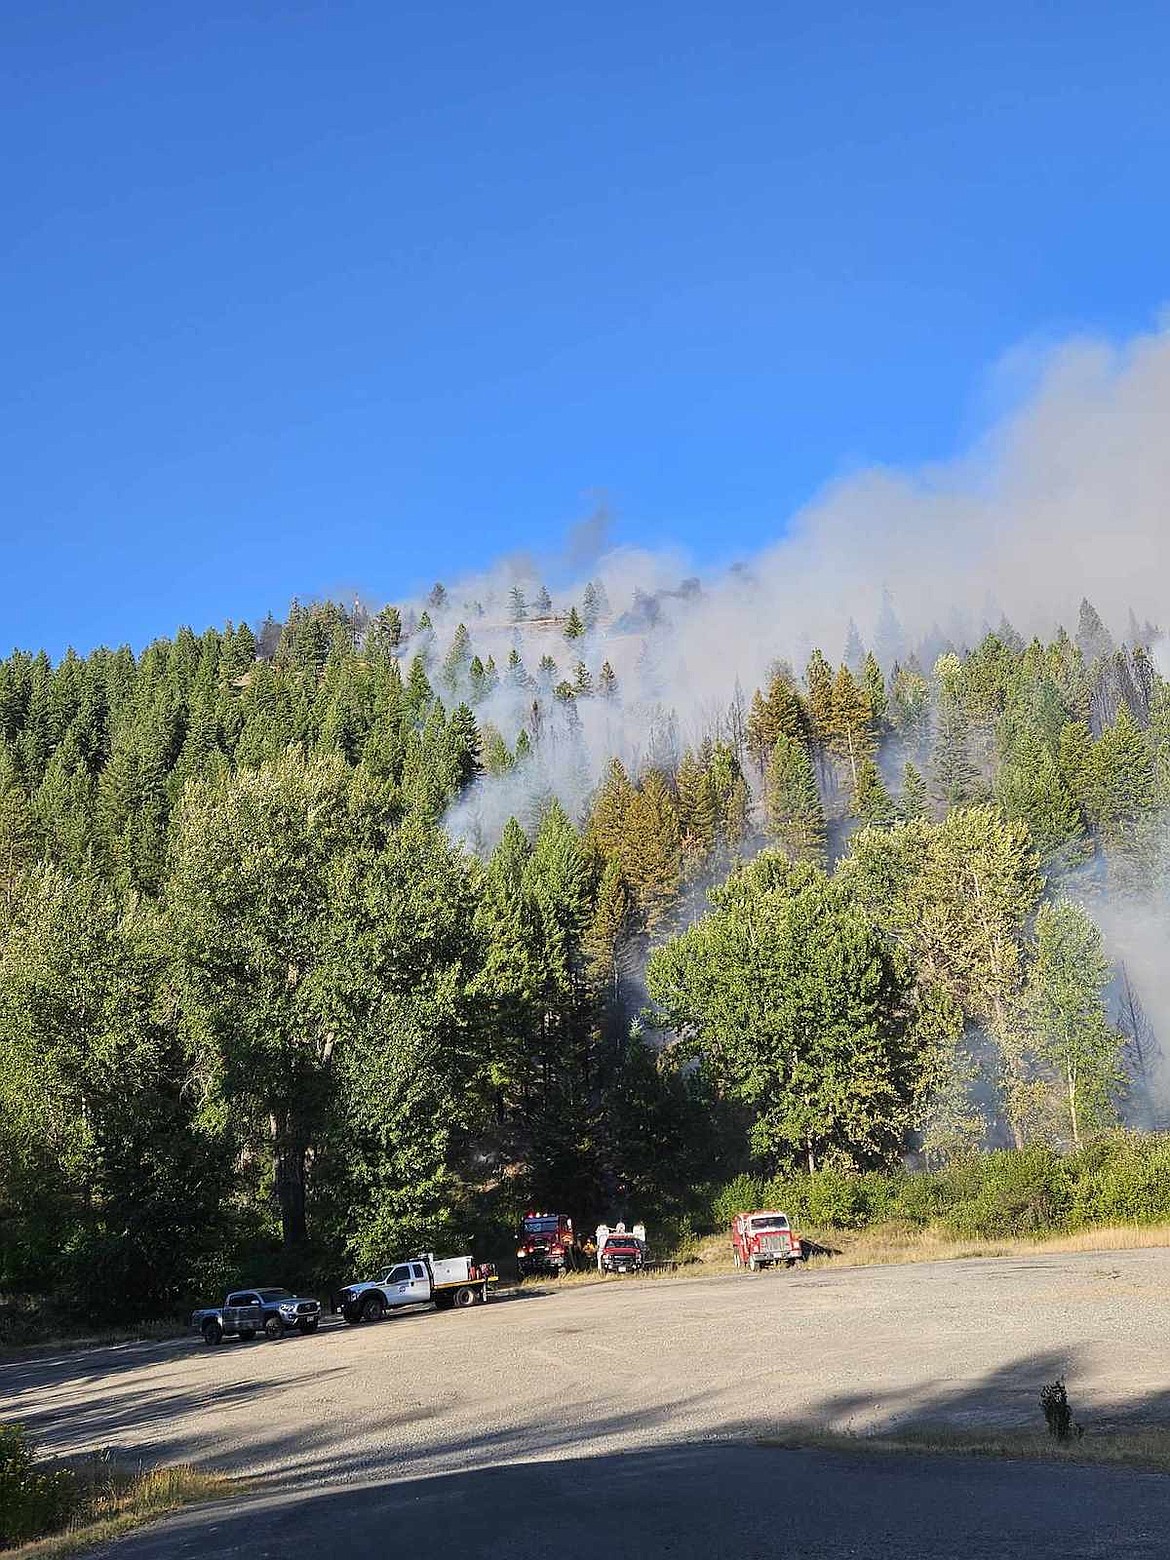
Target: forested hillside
{"points": [[356, 933]]}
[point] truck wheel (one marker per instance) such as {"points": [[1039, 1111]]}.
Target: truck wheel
{"points": [[373, 1308], [464, 1296], [273, 1327], [736, 1258], [351, 1313], [307, 1326], [443, 1302], [247, 1334], [753, 1265], [212, 1331], [482, 1296]]}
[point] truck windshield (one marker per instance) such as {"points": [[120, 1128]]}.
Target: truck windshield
{"points": [[541, 1226], [268, 1295], [770, 1221]]}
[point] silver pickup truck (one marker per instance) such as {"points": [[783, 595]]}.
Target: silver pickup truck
{"points": [[246, 1312]]}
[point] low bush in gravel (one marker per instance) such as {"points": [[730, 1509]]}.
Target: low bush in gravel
{"points": [[1119, 1178], [94, 1496]]}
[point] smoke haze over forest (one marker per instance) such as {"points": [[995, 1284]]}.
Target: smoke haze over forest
{"points": [[1065, 498]]}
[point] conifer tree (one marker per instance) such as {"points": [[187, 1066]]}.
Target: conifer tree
{"points": [[954, 777], [582, 681], [18, 835], [818, 680], [496, 757], [458, 658], [850, 735], [1093, 638], [873, 685], [912, 801], [517, 605], [418, 691], [574, 625], [909, 708], [543, 603], [609, 810], [778, 712], [871, 802], [591, 608], [425, 626], [698, 814], [1031, 787], [438, 596], [651, 854], [1121, 782], [385, 632], [854, 649], [792, 806], [607, 681]]}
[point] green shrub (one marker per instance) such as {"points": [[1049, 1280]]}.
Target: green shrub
{"points": [[1116, 1178], [738, 1196], [33, 1499], [1123, 1180]]}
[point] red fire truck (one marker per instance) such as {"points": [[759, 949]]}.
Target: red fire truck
{"points": [[764, 1239], [546, 1245]]}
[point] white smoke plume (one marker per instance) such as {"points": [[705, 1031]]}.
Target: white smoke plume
{"points": [[1068, 497]]}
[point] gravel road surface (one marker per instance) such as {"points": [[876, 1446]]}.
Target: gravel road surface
{"points": [[639, 1366]]}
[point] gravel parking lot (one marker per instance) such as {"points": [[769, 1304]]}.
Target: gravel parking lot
{"points": [[632, 1365]]}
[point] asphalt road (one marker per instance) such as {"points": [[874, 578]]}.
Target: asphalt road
{"points": [[668, 1371], [698, 1503]]}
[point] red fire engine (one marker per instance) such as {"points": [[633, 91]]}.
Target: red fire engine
{"points": [[764, 1239], [546, 1245]]}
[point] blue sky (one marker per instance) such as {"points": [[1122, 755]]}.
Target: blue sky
{"points": [[305, 298]]}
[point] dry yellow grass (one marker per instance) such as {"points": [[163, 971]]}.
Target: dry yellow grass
{"points": [[1145, 1448], [140, 1498], [894, 1243], [889, 1244]]}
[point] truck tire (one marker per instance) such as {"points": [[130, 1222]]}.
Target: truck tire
{"points": [[753, 1265], [373, 1308], [247, 1334], [212, 1331], [307, 1325], [483, 1294], [463, 1297], [273, 1327], [444, 1302]]}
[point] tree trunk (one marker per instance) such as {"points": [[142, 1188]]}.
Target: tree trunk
{"points": [[1071, 1076], [289, 1177]]}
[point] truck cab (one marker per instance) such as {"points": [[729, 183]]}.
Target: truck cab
{"points": [[620, 1250], [546, 1245], [764, 1238]]}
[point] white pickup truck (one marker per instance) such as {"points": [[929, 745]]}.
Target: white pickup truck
{"points": [[444, 1282]]}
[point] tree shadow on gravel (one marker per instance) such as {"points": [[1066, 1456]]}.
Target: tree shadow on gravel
{"points": [[1006, 1398]]}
